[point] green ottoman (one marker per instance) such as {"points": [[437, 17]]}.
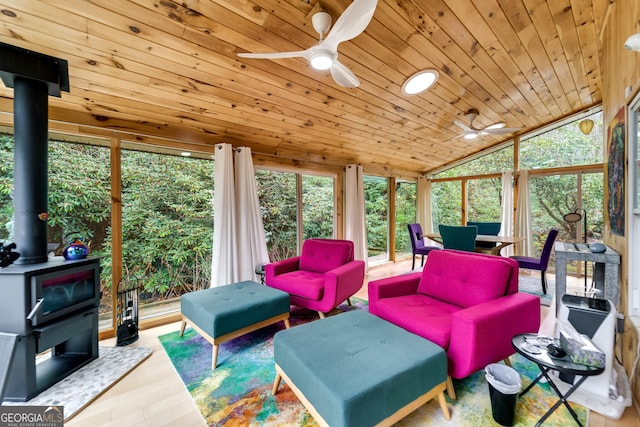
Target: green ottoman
{"points": [[355, 369], [226, 312]]}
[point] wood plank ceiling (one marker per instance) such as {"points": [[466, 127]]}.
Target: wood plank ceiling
{"points": [[162, 68]]}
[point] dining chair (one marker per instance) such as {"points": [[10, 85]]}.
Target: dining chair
{"points": [[417, 244], [459, 237], [533, 263], [486, 228]]}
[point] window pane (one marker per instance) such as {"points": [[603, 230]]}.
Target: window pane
{"points": [[446, 201], [593, 203], [167, 227], [6, 188], [405, 214], [564, 146], [80, 207], [277, 195], [496, 162], [484, 200], [376, 199], [317, 206], [551, 198]]}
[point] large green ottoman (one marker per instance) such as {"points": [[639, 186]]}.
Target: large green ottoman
{"points": [[355, 369], [226, 312]]}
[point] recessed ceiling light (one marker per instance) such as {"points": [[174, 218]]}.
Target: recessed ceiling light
{"points": [[185, 154], [419, 82]]}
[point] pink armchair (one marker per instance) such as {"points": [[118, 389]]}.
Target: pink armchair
{"points": [[467, 303], [321, 278]]}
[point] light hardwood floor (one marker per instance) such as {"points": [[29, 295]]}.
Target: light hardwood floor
{"points": [[154, 395]]}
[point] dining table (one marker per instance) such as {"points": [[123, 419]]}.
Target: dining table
{"points": [[500, 241]]}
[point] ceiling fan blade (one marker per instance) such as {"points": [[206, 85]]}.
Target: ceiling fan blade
{"points": [[351, 23], [498, 131], [462, 126], [276, 55], [343, 76]]}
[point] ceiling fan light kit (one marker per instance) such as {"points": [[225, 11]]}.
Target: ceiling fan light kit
{"points": [[324, 54], [322, 60], [419, 82]]}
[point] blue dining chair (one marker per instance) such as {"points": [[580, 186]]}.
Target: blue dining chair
{"points": [[417, 244], [488, 229], [459, 237]]}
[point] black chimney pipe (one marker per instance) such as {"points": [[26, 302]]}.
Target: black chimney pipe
{"points": [[33, 76], [30, 167]]}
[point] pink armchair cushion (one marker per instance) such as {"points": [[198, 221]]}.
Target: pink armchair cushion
{"points": [[306, 284], [322, 255], [404, 310], [454, 277]]}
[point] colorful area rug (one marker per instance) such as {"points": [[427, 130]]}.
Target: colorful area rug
{"points": [[83, 386], [238, 392]]}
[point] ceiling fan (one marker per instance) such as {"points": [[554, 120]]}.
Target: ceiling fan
{"points": [[324, 54], [471, 132]]}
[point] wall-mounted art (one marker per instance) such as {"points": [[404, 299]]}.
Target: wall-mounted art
{"points": [[616, 173]]}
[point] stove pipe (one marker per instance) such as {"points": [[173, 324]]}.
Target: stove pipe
{"points": [[33, 76], [30, 178]]}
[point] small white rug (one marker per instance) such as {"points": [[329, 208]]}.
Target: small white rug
{"points": [[80, 388]]}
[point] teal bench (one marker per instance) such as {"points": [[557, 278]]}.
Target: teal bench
{"points": [[226, 312], [355, 369]]}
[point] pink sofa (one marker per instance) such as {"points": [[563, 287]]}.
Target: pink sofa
{"points": [[324, 275], [467, 303]]}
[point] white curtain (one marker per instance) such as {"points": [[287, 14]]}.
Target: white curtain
{"points": [[251, 240], [224, 259], [506, 218], [423, 205], [523, 215], [354, 212]]}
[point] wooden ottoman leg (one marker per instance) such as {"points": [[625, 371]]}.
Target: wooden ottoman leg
{"points": [[214, 356], [182, 327], [450, 390], [276, 383], [443, 406], [286, 323]]}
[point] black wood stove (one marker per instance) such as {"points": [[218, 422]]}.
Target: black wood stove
{"points": [[49, 303]]}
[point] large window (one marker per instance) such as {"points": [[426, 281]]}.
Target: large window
{"points": [[405, 214], [484, 200], [167, 226], [376, 199], [317, 207], [497, 161], [277, 195], [280, 204], [564, 146], [634, 210], [446, 200]]}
